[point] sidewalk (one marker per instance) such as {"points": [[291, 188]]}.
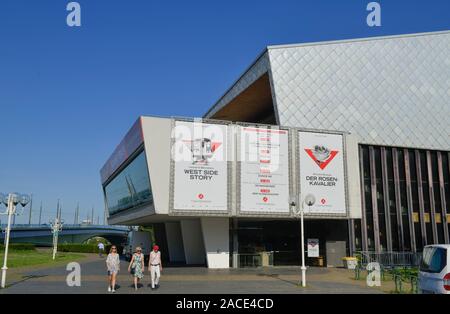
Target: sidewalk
{"points": [[279, 280]]}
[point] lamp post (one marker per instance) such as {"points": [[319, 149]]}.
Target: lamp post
{"points": [[299, 212], [10, 201], [56, 226]]}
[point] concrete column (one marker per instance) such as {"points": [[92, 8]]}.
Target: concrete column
{"points": [[175, 242], [194, 249], [217, 243]]}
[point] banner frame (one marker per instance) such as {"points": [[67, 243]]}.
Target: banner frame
{"points": [[200, 213], [298, 179], [262, 214]]}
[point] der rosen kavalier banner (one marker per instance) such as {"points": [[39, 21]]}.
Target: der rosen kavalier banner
{"points": [[322, 171]]}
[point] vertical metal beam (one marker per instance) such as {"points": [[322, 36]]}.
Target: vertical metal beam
{"points": [[398, 202], [442, 194], [351, 237], [364, 241], [234, 243], [423, 227], [410, 201], [432, 205], [373, 186], [387, 210]]}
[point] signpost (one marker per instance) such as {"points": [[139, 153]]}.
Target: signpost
{"points": [[313, 247]]}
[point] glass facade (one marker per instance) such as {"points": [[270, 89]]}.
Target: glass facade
{"points": [[130, 188], [407, 191]]}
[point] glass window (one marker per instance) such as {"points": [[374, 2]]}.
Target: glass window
{"points": [[130, 188], [392, 205], [426, 195], [415, 200], [434, 259], [380, 198], [437, 197], [446, 170], [404, 200], [368, 197]]}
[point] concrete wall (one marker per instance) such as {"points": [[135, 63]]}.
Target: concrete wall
{"points": [[175, 242], [216, 239], [157, 141], [194, 249]]}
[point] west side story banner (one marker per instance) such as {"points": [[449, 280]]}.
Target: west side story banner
{"points": [[322, 172], [264, 170], [199, 153]]}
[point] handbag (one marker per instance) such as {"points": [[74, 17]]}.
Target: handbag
{"points": [[132, 270]]}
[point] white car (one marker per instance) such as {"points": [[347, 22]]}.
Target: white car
{"points": [[434, 274]]}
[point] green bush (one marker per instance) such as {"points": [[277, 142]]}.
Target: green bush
{"points": [[19, 247], [81, 248]]}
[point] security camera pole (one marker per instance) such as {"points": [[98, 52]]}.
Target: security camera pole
{"points": [[299, 211], [10, 201]]}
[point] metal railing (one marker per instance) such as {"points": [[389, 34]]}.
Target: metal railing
{"points": [[259, 259], [390, 259]]}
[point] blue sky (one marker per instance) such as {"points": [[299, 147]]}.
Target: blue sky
{"points": [[68, 95]]}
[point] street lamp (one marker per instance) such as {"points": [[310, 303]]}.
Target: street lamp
{"points": [[56, 226], [299, 211], [10, 201]]}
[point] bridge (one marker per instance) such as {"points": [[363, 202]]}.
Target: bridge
{"points": [[41, 235]]}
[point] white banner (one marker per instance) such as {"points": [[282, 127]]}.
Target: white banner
{"points": [[264, 172], [201, 172], [322, 172]]}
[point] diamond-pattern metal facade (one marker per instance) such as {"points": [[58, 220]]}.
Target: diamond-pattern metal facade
{"points": [[260, 67], [386, 90], [389, 91]]}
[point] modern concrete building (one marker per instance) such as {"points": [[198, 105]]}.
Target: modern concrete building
{"points": [[389, 100]]}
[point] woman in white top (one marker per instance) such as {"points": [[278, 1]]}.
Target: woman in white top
{"points": [[113, 266]]}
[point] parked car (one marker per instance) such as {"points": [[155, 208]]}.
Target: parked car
{"points": [[434, 274]]}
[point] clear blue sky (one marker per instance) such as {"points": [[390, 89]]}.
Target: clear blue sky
{"points": [[68, 95]]}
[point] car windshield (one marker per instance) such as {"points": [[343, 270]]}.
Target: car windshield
{"points": [[434, 259]]}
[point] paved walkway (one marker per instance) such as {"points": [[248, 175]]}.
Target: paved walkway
{"points": [[278, 280]]}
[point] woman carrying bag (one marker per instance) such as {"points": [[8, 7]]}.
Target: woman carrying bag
{"points": [[113, 266], [136, 267]]}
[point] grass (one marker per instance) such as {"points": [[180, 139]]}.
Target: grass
{"points": [[388, 279], [17, 259]]}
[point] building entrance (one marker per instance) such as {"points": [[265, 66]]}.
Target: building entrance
{"points": [[277, 242]]}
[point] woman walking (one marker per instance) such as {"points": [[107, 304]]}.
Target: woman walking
{"points": [[113, 266], [136, 267]]}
